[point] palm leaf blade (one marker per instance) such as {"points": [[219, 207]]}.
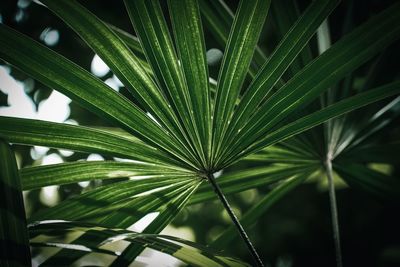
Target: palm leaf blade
{"points": [[14, 239], [187, 251], [191, 49], [325, 114], [123, 63], [238, 181], [343, 57], [74, 172], [289, 48], [115, 202], [57, 72], [219, 18], [243, 38], [166, 215], [78, 138], [251, 216], [374, 182]]}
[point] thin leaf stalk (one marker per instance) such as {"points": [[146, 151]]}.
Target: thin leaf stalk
{"points": [[334, 211], [235, 220]]}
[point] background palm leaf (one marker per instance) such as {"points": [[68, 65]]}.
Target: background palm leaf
{"points": [[13, 233]]}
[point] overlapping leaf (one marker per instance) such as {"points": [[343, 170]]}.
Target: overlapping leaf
{"points": [[186, 251], [14, 239]]}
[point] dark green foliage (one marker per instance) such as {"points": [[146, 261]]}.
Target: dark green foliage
{"points": [[271, 120]]}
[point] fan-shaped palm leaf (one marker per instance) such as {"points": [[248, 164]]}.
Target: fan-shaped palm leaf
{"points": [[179, 133]]}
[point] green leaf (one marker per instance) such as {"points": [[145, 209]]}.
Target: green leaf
{"points": [[372, 126], [281, 154], [61, 74], [134, 44], [238, 181], [121, 205], [112, 50], [124, 65], [74, 172], [243, 37], [98, 204], [306, 145], [131, 41], [285, 14], [377, 153], [167, 214], [343, 57], [219, 19], [79, 138], [14, 239], [188, 32], [323, 115], [186, 251], [369, 180], [286, 52], [262, 206], [149, 23]]}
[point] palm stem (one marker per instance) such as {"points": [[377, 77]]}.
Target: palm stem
{"points": [[235, 220], [334, 212]]}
